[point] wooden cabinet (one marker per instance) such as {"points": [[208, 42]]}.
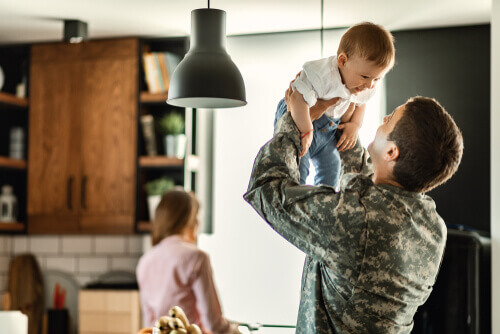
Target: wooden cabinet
{"points": [[83, 137], [53, 156], [108, 146]]}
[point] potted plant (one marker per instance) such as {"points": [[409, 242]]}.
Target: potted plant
{"points": [[155, 189], [172, 127]]}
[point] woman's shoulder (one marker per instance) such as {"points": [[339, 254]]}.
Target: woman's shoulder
{"points": [[187, 251], [177, 253], [174, 247]]}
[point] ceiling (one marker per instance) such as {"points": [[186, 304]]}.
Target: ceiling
{"points": [[41, 20]]}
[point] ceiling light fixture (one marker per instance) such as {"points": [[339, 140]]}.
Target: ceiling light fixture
{"points": [[207, 77], [75, 31]]}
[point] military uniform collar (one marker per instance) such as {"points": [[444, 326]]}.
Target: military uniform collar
{"points": [[401, 191]]}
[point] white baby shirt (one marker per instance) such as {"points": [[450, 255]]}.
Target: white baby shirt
{"points": [[320, 79]]}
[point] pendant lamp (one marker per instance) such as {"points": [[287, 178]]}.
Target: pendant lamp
{"points": [[207, 77]]}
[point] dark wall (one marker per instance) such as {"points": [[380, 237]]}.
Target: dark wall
{"points": [[453, 66]]}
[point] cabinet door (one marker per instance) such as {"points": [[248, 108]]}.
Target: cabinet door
{"points": [[109, 138], [53, 165]]}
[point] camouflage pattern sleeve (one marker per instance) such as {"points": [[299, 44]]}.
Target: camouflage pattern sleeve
{"points": [[302, 214], [356, 160]]}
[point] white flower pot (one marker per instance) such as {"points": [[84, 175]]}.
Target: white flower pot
{"points": [[175, 146], [153, 202]]}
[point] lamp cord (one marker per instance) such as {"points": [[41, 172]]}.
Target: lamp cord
{"points": [[322, 30], [208, 4]]}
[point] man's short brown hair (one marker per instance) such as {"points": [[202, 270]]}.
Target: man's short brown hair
{"points": [[369, 41], [430, 145]]}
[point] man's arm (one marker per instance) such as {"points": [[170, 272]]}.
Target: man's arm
{"points": [[322, 223], [356, 160]]}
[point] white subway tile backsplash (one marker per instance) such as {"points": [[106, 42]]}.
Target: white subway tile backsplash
{"points": [[124, 263], [20, 245], [110, 245], [44, 245], [86, 257], [135, 245], [67, 264], [92, 265], [76, 245]]}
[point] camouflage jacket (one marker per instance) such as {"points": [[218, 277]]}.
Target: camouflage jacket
{"points": [[373, 250]]}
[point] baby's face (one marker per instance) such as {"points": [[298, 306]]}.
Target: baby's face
{"points": [[359, 74]]}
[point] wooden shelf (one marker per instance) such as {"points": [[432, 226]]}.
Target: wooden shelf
{"points": [[147, 97], [12, 100], [12, 163], [11, 227], [160, 161], [144, 226]]}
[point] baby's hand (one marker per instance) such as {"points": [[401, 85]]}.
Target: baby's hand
{"points": [[349, 136], [305, 140]]}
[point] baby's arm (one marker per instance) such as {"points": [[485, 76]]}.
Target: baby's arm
{"points": [[300, 114], [351, 123]]}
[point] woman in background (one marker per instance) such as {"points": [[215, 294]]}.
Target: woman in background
{"points": [[177, 273], [25, 290]]}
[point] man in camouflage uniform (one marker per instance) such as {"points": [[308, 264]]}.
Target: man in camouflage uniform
{"points": [[374, 247]]}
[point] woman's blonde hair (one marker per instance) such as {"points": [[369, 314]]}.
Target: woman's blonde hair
{"points": [[175, 212]]}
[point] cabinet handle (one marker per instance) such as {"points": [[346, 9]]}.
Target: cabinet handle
{"points": [[84, 185], [69, 191]]}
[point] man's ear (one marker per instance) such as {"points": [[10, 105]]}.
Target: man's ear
{"points": [[392, 152], [341, 59]]}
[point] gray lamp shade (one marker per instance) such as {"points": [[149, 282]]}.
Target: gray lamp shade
{"points": [[207, 77]]}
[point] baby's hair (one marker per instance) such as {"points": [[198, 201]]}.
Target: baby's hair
{"points": [[369, 41]]}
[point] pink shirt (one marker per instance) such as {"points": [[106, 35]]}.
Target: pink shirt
{"points": [[177, 273]]}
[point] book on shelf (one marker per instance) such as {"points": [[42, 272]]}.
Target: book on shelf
{"points": [[158, 69], [152, 78], [163, 69]]}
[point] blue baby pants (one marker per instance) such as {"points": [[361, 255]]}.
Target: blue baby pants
{"points": [[323, 152]]}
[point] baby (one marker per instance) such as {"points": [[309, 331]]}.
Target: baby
{"points": [[365, 54]]}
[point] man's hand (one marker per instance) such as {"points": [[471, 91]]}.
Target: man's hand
{"points": [[349, 136]]}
